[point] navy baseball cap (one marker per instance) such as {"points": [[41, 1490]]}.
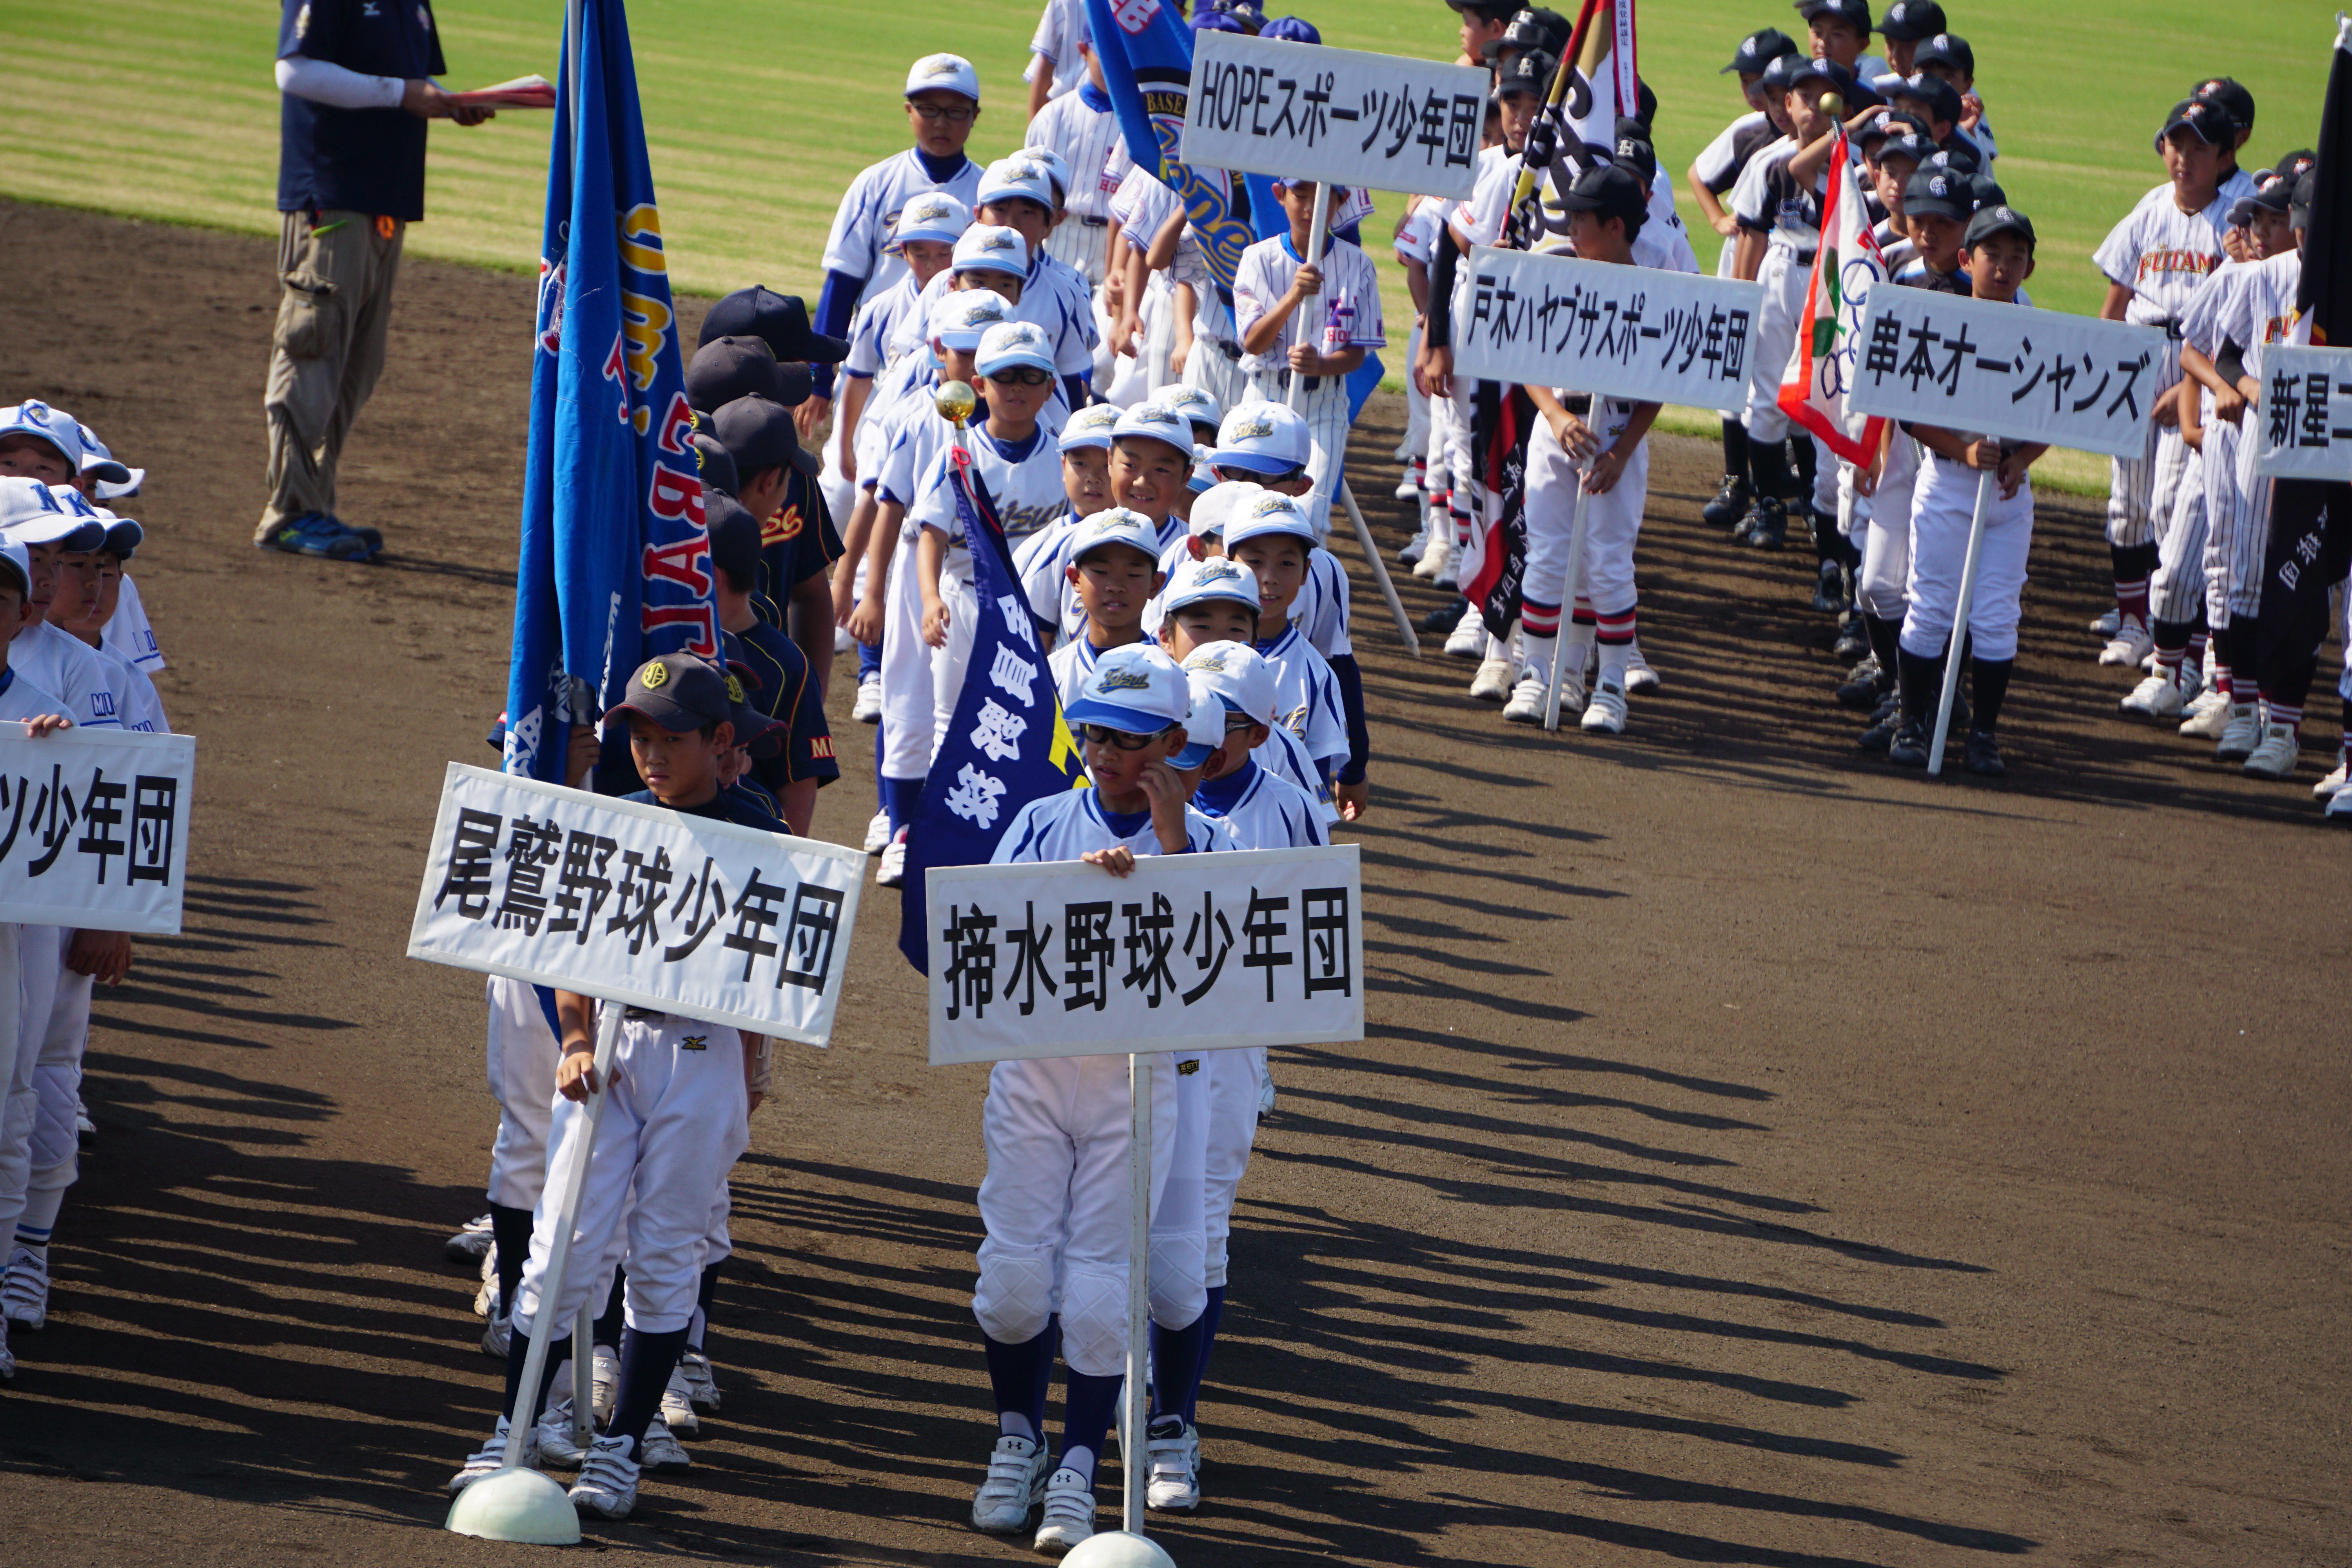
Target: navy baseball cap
{"points": [[2306, 191], [1907, 21], [1909, 145], [1999, 218], [734, 538], [716, 463], [678, 691], [724, 369], [1945, 49], [1634, 155], [1942, 98], [1291, 29], [1610, 190], [2231, 95], [1840, 79], [2206, 117], [781, 318], [1534, 28], [1855, 12], [1758, 49], [1938, 193], [758, 434], [1531, 72], [1959, 156], [1781, 71]]}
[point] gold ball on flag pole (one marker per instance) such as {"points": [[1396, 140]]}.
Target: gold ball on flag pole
{"points": [[1834, 106], [955, 400]]}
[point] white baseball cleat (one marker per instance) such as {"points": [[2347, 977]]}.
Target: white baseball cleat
{"points": [[1069, 1513], [1412, 550], [1407, 491], [1526, 703], [1605, 712], [1639, 677], [877, 833], [85, 1130], [2205, 718], [486, 1300], [2274, 755], [867, 708], [607, 1486], [498, 1334], [1468, 639], [1016, 1480], [701, 1387], [2156, 696], [604, 1382], [677, 1406], [1174, 1451], [25, 1295], [2105, 625], [2326, 788], [663, 1452], [1437, 551], [892, 871], [487, 1460], [2239, 734], [554, 1436], [2339, 805], [1266, 1090], [2130, 644], [1493, 682]]}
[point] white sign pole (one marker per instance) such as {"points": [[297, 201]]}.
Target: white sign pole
{"points": [[1322, 242], [584, 1378], [1567, 607], [1381, 569], [1135, 1468], [1959, 639]]}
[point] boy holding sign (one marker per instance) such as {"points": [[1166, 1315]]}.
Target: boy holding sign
{"points": [[1999, 256]]}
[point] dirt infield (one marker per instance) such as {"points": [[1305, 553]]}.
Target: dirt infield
{"points": [[1758, 1156]]}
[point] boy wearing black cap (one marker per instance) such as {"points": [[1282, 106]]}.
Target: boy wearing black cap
{"points": [[805, 763], [2000, 246], [1482, 23], [1905, 24], [776, 482], [2154, 260], [1947, 57], [1840, 30]]}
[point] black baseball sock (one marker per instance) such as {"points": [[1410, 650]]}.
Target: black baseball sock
{"points": [[1770, 461], [608, 1326], [1922, 686], [518, 1351], [1990, 677], [1885, 637], [1735, 447], [1021, 1376], [647, 1361], [510, 1232]]}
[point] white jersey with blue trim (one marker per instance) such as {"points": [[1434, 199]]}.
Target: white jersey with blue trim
{"points": [[1045, 577], [883, 329], [1272, 813], [1306, 698], [1285, 756], [1070, 823], [917, 435], [136, 703], [128, 633], [869, 210], [1320, 611], [1023, 478], [1072, 660], [21, 698], [63, 665], [1057, 302]]}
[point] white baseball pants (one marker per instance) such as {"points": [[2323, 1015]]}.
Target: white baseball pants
{"points": [[523, 1053], [1941, 509]]}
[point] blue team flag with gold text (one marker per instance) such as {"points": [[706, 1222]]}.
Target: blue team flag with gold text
{"points": [[1146, 53], [615, 563], [1008, 745]]}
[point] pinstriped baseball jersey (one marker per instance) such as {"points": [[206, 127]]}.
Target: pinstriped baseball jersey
{"points": [[2161, 253], [1081, 133], [869, 210], [1350, 301], [1060, 28]]}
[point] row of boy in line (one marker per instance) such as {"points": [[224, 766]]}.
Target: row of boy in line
{"points": [[75, 651]]}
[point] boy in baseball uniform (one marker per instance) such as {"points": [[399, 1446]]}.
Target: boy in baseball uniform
{"points": [[1273, 537], [1114, 571]]}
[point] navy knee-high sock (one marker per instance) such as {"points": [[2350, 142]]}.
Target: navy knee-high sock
{"points": [[1021, 1376], [1211, 1316], [510, 1232], [647, 1361], [1087, 1405], [903, 799], [609, 1322], [518, 1349], [1176, 1367], [1735, 447]]}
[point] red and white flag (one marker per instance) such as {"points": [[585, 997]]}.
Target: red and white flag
{"points": [[1822, 363]]}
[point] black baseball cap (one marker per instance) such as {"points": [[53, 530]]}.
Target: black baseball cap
{"points": [[1611, 191], [724, 369], [2231, 95], [1908, 145], [1907, 21], [1999, 218], [781, 318], [1531, 72], [1534, 28], [2294, 164], [758, 434], [2306, 191], [1984, 191], [1945, 50], [1959, 155], [1942, 98], [758, 733], [1841, 80], [1495, 11], [1645, 104], [2273, 192], [2206, 117], [1758, 49], [1856, 12], [734, 539], [1633, 152], [718, 465], [1936, 193], [678, 691]]}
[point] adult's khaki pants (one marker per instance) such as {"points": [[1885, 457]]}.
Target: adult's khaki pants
{"points": [[336, 271]]}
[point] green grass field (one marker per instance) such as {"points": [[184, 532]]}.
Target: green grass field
{"points": [[759, 112]]}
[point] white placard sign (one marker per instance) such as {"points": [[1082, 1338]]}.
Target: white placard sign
{"points": [[94, 829], [1262, 947], [1615, 331], [637, 905], [1267, 106], [2007, 371], [2306, 419]]}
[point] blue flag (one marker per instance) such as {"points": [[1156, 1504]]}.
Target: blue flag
{"points": [[614, 565], [1146, 52], [1008, 745]]}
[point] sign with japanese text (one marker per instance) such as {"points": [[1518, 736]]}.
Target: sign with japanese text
{"points": [[2007, 371], [1194, 952], [2305, 420], [637, 905], [1614, 331], [94, 829], [1267, 106]]}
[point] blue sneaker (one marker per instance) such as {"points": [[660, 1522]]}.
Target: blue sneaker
{"points": [[315, 534], [371, 537]]}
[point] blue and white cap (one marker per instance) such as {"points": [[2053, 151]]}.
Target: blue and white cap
{"points": [[59, 429], [1191, 402], [123, 534], [961, 317], [992, 248], [944, 73], [115, 478], [934, 215], [1136, 688], [1237, 675], [1212, 577], [1218, 504], [1202, 478], [1263, 438], [1269, 514], [1090, 427], [1155, 422], [1011, 344], [1017, 176], [1056, 168], [1116, 526], [14, 559], [33, 513]]}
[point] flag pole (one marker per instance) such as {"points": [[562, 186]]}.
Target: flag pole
{"points": [[1959, 639], [1320, 240]]}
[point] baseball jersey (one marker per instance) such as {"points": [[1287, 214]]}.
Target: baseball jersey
{"points": [[918, 436], [1079, 128], [61, 663], [1306, 696], [1054, 47], [1479, 220], [1285, 756], [1023, 478], [2161, 253], [1416, 238], [21, 698], [1769, 199], [1262, 810], [786, 694], [2259, 308], [136, 703], [1071, 822], [1072, 660], [885, 327], [1058, 303], [1347, 306], [128, 632], [869, 210], [1320, 610], [1719, 162], [727, 806]]}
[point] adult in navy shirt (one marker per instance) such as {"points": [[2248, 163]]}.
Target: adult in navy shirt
{"points": [[356, 80]]}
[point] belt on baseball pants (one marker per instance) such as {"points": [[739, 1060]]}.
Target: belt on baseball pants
{"points": [[643, 1016], [1094, 222], [1313, 383], [1230, 351]]}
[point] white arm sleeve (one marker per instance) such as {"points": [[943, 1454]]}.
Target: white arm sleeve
{"points": [[323, 81]]}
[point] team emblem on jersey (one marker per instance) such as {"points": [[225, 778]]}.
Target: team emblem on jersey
{"points": [[1187, 1068], [1125, 680], [1252, 428], [653, 676], [694, 1043], [782, 528], [821, 746], [734, 688], [302, 22]]}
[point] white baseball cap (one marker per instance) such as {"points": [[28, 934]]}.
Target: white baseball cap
{"points": [[992, 248], [1191, 402], [33, 513], [1218, 503], [1136, 688], [96, 462], [961, 317], [1202, 478], [934, 215], [1269, 513], [1155, 422], [1008, 344], [1016, 176], [1237, 675], [1090, 427], [13, 558], [34, 417], [1212, 577], [1116, 526], [944, 73], [1058, 169], [1263, 438]]}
